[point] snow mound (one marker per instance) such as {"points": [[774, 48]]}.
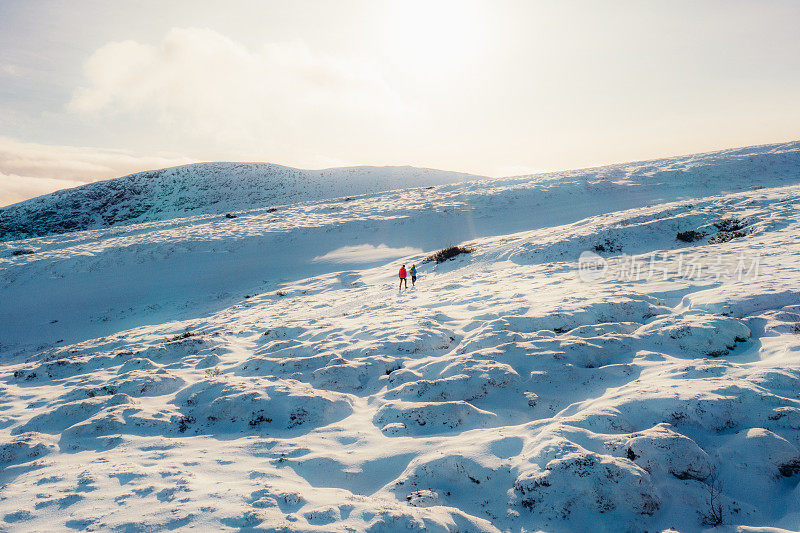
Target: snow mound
{"points": [[580, 484], [473, 380], [695, 334], [660, 449], [24, 448], [249, 405], [421, 418]]}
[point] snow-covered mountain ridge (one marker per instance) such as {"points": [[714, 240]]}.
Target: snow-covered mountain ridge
{"points": [[218, 188], [201, 188], [263, 372]]}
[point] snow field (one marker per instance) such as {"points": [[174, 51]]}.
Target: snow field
{"points": [[503, 393]]}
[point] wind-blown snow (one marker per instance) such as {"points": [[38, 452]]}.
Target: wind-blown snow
{"points": [[207, 372], [366, 253]]}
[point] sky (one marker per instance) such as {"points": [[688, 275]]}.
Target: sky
{"points": [[91, 89]]}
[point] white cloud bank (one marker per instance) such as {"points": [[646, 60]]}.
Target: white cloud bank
{"points": [[15, 188], [204, 94], [32, 169], [210, 92]]}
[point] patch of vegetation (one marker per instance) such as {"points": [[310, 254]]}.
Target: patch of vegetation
{"points": [[260, 419], [725, 236], [714, 514], [212, 373], [729, 224], [607, 246], [392, 369], [297, 418], [182, 336], [281, 293], [184, 422], [448, 253], [22, 252], [230, 215], [789, 469], [690, 236], [271, 209]]}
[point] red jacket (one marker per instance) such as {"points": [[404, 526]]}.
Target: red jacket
{"points": [[402, 272]]}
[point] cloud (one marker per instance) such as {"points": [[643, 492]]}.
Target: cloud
{"points": [[11, 70], [32, 169], [14, 188], [515, 170], [365, 253], [201, 85], [75, 162]]}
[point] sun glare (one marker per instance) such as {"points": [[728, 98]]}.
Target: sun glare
{"points": [[434, 35]]}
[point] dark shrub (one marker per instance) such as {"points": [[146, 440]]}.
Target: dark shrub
{"points": [[729, 224], [22, 252], [725, 236], [789, 469], [607, 246], [690, 236], [447, 253], [182, 336], [230, 215]]}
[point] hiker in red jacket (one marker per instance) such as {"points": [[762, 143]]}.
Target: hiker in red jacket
{"points": [[403, 277]]}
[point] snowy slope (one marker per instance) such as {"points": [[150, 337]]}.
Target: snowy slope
{"points": [[264, 372], [198, 189]]}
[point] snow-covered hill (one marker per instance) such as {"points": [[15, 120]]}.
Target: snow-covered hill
{"points": [[620, 347], [202, 188]]}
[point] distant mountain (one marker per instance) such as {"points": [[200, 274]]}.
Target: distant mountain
{"points": [[201, 188]]}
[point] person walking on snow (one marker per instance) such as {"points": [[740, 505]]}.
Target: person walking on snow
{"points": [[413, 273], [402, 275]]}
